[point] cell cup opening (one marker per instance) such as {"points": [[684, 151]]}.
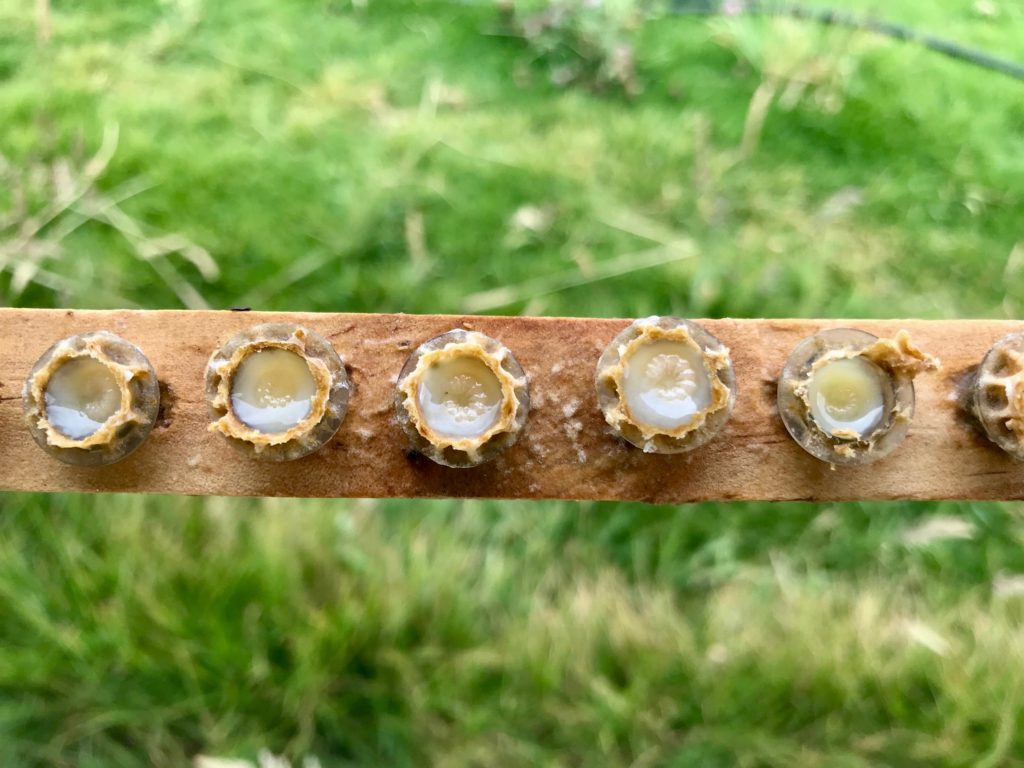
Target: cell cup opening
{"points": [[462, 398], [998, 396], [273, 390], [665, 385], [277, 391], [91, 399], [847, 397], [81, 395]]}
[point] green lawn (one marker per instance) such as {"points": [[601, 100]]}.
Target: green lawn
{"points": [[432, 156]]}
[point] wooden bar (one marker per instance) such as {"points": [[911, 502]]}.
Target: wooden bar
{"points": [[566, 452]]}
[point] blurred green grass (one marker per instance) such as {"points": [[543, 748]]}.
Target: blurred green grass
{"points": [[443, 157]]}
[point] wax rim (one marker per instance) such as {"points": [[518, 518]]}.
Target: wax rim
{"points": [[107, 432], [898, 358], [713, 361], [231, 425], [1015, 423], [471, 347], [1004, 426]]}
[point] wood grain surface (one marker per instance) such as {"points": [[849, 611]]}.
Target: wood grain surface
{"points": [[566, 451]]}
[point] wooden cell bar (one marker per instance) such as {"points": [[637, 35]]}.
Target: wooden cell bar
{"points": [[566, 451]]}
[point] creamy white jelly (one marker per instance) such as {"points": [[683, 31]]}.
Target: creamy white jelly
{"points": [[80, 396], [460, 397], [665, 383], [272, 390], [847, 397]]}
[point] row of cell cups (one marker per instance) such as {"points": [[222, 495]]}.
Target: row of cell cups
{"points": [[666, 385]]}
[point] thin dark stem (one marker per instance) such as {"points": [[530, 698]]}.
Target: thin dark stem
{"points": [[836, 18]]}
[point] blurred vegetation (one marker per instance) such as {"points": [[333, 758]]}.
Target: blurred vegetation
{"points": [[568, 157]]}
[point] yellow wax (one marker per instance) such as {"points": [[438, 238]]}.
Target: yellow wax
{"points": [[80, 396], [847, 395], [272, 390], [460, 397]]}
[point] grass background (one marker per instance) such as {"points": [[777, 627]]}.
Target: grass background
{"points": [[431, 156]]}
